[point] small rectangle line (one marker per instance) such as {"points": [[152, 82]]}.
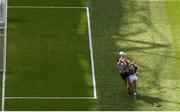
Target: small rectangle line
{"points": [[51, 98], [44, 7]]}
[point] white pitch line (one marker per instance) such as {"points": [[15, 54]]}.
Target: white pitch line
{"points": [[4, 60], [51, 98], [91, 52], [44, 7]]}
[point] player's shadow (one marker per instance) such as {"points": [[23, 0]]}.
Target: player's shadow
{"points": [[154, 101]]}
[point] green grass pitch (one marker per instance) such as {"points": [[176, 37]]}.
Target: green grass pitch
{"points": [[56, 58], [48, 54]]}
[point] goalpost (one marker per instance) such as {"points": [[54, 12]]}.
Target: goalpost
{"points": [[3, 45], [3, 34]]}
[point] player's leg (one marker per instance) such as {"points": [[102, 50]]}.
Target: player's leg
{"points": [[127, 84], [125, 78], [131, 85], [135, 82]]}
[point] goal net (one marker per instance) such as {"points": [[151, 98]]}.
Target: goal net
{"points": [[3, 24]]}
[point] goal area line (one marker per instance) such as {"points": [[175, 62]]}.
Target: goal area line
{"points": [[91, 56], [51, 98], [44, 7]]}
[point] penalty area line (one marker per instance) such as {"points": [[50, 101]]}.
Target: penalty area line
{"points": [[51, 98], [44, 7]]}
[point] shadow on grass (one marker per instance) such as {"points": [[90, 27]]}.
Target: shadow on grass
{"points": [[106, 19], [151, 45], [122, 19], [151, 53], [154, 101]]}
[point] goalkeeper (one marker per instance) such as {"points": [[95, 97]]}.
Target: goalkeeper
{"points": [[123, 63]]}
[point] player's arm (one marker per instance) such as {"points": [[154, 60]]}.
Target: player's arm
{"points": [[136, 69]]}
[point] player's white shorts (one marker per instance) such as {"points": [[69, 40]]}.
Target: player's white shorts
{"points": [[133, 77]]}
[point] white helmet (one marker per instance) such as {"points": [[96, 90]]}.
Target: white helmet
{"points": [[121, 53]]}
